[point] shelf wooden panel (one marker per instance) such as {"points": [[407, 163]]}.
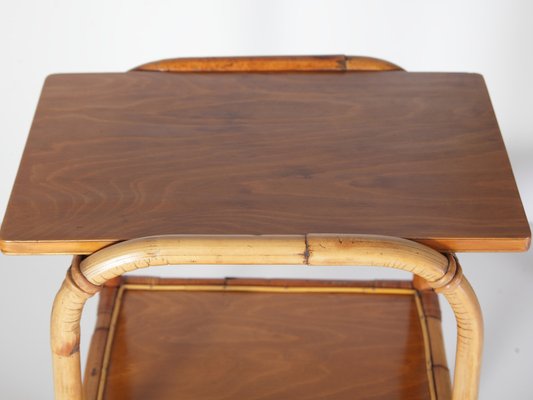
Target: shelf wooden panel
{"points": [[266, 339]]}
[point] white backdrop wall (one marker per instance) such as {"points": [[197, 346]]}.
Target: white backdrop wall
{"points": [[490, 37]]}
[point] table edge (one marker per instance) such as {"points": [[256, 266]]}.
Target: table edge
{"points": [[86, 247]]}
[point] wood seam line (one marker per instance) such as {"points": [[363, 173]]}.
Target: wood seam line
{"points": [[343, 64], [307, 251]]}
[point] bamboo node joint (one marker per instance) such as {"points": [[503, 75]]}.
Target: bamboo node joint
{"points": [[81, 282], [451, 279]]}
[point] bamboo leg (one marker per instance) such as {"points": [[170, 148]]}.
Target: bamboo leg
{"points": [[447, 279], [65, 333], [467, 310], [462, 299]]}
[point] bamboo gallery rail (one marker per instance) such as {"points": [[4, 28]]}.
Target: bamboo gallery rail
{"points": [[441, 272]]}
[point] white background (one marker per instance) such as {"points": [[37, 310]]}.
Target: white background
{"points": [[490, 37]]}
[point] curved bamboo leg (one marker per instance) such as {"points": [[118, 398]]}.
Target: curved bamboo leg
{"points": [[450, 281], [465, 306], [441, 272], [65, 332]]}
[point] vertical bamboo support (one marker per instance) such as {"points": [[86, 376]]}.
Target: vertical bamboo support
{"points": [[65, 333], [467, 310], [441, 272]]}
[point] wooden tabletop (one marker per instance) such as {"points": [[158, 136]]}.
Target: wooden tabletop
{"points": [[112, 157]]}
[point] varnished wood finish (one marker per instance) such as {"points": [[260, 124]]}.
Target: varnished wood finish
{"points": [[442, 273], [227, 339], [270, 64], [111, 157]]}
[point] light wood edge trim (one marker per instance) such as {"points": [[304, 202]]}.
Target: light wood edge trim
{"points": [[54, 247], [87, 247], [104, 365], [477, 245], [442, 273], [327, 63]]}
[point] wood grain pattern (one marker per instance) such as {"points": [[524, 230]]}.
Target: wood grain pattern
{"points": [[267, 345], [112, 157], [270, 64]]}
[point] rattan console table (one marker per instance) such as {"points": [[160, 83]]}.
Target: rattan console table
{"points": [[328, 160]]}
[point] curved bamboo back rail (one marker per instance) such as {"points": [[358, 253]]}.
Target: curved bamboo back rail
{"points": [[441, 272], [270, 64]]}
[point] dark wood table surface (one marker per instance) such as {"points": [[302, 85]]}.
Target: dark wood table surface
{"points": [[115, 156]]}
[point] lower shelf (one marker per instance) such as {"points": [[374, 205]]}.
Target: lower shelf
{"points": [[266, 339]]}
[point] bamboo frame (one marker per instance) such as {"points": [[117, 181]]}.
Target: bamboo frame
{"points": [[441, 272]]}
